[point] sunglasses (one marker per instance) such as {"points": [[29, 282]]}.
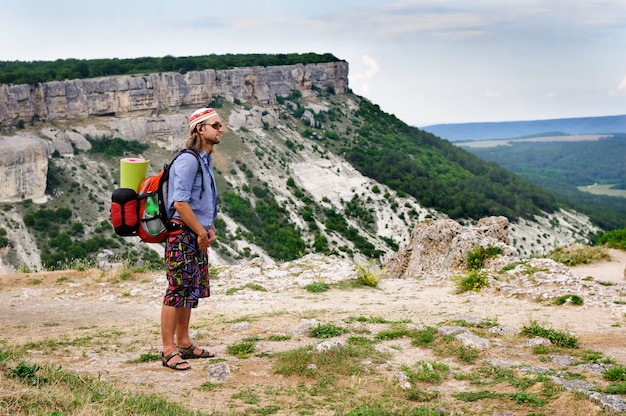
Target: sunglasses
{"points": [[217, 125]]}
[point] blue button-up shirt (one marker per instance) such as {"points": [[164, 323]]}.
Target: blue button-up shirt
{"points": [[185, 185]]}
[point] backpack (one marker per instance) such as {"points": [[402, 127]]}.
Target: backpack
{"points": [[144, 213]]}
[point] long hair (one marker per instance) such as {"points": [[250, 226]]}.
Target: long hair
{"points": [[195, 141]]}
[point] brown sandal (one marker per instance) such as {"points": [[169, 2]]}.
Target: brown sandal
{"points": [[174, 366], [187, 353]]}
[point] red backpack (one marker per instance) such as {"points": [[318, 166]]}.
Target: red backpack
{"points": [[144, 214]]}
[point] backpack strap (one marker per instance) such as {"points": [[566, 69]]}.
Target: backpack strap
{"points": [[165, 178]]}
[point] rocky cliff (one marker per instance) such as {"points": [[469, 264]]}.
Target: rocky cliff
{"points": [[23, 168], [135, 104], [125, 95]]}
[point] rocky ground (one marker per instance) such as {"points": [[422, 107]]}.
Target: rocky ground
{"points": [[49, 314]]}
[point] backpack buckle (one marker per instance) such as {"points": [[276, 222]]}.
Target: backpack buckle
{"points": [[176, 226]]}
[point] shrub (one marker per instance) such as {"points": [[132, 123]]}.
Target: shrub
{"points": [[115, 147], [369, 274], [474, 281], [476, 258], [614, 239], [4, 241]]}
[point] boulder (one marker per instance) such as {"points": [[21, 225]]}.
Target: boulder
{"points": [[439, 248]]}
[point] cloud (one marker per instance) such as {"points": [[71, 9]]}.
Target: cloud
{"points": [[620, 90], [362, 78], [622, 86], [493, 94], [449, 20], [550, 95]]}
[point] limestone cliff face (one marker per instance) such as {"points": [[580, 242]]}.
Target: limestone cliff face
{"points": [[23, 168], [125, 95]]}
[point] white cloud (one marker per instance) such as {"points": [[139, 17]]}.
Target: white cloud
{"points": [[620, 90], [361, 79], [550, 95], [493, 94], [622, 85]]}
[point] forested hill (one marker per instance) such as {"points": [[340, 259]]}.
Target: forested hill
{"points": [[517, 129], [437, 173]]}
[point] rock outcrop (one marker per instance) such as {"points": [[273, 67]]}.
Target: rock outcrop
{"points": [[23, 167], [125, 95], [441, 247]]}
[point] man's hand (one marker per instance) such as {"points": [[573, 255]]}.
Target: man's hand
{"points": [[207, 239], [203, 242], [211, 234]]}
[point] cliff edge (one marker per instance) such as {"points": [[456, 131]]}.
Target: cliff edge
{"points": [[125, 95]]}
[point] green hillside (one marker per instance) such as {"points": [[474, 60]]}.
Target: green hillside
{"points": [[562, 167], [438, 174]]}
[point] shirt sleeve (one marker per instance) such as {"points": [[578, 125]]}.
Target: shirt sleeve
{"points": [[184, 173]]}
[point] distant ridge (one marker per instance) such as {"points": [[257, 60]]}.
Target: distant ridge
{"points": [[517, 129]]}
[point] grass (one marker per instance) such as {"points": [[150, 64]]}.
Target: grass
{"points": [[423, 337], [50, 390], [616, 388], [615, 373], [472, 396], [279, 337], [242, 349], [326, 331], [428, 371], [346, 361], [356, 379], [145, 358], [573, 256], [317, 287], [251, 286], [572, 299], [348, 380], [392, 333], [558, 338], [595, 357], [368, 319]]}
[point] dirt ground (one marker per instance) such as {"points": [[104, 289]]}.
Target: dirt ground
{"points": [[119, 320]]}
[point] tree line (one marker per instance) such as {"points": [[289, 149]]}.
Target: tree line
{"points": [[33, 72]]}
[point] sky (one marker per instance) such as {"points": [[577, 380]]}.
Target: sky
{"points": [[425, 61]]}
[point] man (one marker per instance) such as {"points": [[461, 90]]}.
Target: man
{"points": [[192, 202]]}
